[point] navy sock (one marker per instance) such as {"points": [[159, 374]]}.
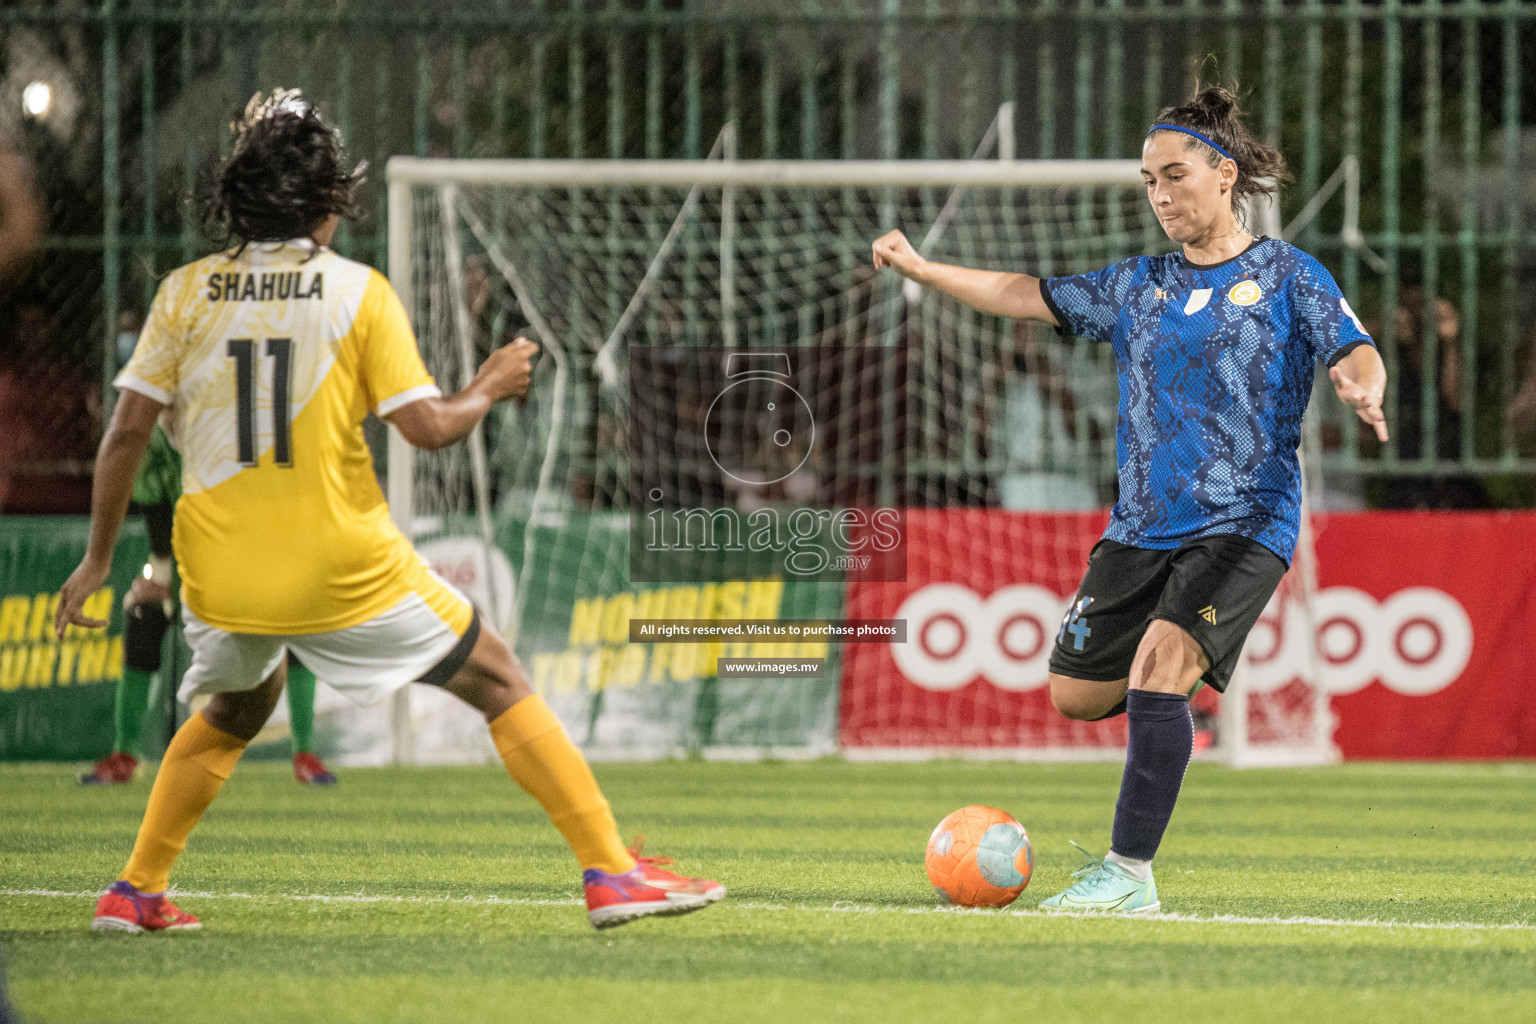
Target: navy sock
{"points": [[1162, 737]]}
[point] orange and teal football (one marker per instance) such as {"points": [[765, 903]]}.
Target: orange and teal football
{"points": [[979, 857]]}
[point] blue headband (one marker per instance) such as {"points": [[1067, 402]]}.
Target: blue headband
{"points": [[1191, 131]]}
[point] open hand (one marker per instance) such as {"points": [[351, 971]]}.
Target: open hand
{"points": [[87, 578], [1365, 401]]}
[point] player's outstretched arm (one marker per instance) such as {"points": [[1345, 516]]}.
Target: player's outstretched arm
{"points": [[433, 423], [990, 291], [1360, 381], [117, 461]]}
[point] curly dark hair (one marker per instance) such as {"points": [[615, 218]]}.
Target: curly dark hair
{"points": [[286, 172], [1214, 113]]}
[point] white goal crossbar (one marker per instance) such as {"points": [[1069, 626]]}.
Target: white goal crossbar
{"points": [[405, 171]]}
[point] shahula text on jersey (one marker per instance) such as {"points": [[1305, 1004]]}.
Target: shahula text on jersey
{"points": [[263, 287]]}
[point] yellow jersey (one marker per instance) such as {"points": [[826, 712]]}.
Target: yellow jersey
{"points": [[270, 360]]}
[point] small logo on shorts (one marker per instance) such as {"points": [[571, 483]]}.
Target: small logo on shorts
{"points": [[1208, 613], [1244, 293], [1073, 623]]}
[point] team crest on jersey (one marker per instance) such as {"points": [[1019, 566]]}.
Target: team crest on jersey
{"points": [[1197, 300], [1244, 293]]}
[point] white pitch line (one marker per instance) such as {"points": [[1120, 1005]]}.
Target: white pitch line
{"points": [[184, 894], [833, 908]]}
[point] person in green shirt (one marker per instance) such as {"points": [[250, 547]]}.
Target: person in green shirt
{"points": [[148, 611]]}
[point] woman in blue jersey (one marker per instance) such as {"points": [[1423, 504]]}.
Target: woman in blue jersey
{"points": [[1215, 348]]}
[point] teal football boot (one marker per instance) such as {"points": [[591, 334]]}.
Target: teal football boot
{"points": [[1104, 888]]}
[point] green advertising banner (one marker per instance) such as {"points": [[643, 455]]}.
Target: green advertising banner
{"points": [[56, 697], [565, 582]]}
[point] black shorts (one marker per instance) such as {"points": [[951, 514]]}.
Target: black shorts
{"points": [[1214, 588]]}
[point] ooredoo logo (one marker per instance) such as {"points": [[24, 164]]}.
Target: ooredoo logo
{"points": [[1415, 642], [954, 636]]}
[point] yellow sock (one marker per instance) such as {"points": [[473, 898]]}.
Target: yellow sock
{"points": [[542, 760], [196, 764]]}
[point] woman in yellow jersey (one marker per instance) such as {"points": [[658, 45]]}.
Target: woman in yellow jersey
{"points": [[268, 356]]}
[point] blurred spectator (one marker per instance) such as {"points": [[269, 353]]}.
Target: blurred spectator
{"points": [[1522, 408], [50, 415], [21, 217], [1426, 491], [48, 410], [129, 324], [1050, 383]]}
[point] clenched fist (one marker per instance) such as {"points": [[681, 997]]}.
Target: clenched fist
{"points": [[508, 371], [894, 251]]}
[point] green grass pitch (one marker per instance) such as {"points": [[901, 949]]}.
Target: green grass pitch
{"points": [[1366, 892]]}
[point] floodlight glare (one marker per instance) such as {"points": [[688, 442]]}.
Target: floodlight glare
{"points": [[37, 99]]}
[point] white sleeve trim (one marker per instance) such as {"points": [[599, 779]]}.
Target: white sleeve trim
{"points": [[1344, 305], [406, 397], [144, 388]]}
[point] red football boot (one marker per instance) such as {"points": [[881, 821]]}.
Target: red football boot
{"points": [[113, 770], [650, 868], [122, 908], [645, 891], [309, 770]]}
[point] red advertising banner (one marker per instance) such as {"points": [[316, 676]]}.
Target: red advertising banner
{"points": [[983, 600], [1426, 622], [1423, 624]]}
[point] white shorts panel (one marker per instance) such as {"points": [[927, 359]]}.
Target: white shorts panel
{"points": [[226, 662], [367, 662]]}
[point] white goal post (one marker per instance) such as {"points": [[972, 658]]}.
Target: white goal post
{"points": [[600, 257]]}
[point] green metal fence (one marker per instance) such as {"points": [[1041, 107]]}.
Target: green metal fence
{"points": [[1436, 100]]}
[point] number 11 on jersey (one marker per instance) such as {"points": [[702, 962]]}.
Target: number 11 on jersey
{"points": [[243, 352]]}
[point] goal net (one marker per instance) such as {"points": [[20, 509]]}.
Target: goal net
{"points": [[716, 350]]}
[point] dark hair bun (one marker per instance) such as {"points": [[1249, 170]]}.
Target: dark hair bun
{"points": [[1216, 103]]}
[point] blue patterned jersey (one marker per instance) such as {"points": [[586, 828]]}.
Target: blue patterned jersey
{"points": [[1215, 367]]}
